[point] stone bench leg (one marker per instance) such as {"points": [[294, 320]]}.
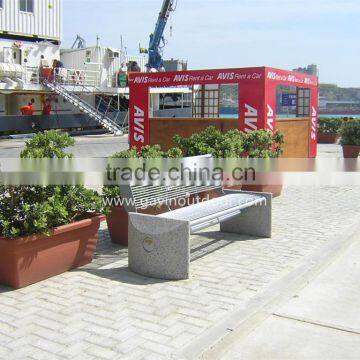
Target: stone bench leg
{"points": [[158, 247], [254, 221]]}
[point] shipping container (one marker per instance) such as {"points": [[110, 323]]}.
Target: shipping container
{"points": [[32, 18], [106, 61]]}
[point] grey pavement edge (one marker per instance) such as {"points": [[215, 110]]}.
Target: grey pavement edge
{"points": [[214, 342]]}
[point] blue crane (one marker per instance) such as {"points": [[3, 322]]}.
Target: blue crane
{"points": [[157, 40]]}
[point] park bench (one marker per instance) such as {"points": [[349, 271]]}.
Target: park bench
{"points": [[159, 246]]}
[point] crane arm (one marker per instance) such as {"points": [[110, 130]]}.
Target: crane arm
{"points": [[157, 38]]}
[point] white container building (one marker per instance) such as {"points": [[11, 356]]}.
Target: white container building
{"points": [[105, 62], [36, 19], [30, 32]]}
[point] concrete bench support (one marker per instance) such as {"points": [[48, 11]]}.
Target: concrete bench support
{"points": [[254, 221], [158, 247]]}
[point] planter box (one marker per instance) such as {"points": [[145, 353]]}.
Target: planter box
{"points": [[275, 190], [269, 183], [351, 151], [118, 222], [327, 138], [27, 260]]}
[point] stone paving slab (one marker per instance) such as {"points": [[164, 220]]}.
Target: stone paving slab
{"points": [[290, 340], [104, 311], [320, 320]]}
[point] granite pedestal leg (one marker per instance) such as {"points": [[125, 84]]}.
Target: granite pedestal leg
{"points": [[254, 221], [159, 247]]}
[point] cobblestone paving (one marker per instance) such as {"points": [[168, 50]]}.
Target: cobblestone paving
{"points": [[104, 311]]}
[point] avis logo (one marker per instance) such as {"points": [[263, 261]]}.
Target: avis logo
{"points": [[141, 80], [270, 118], [313, 124], [180, 78], [251, 118], [226, 76], [139, 125]]}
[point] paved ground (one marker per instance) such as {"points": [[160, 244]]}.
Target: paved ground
{"points": [[105, 145], [105, 311], [86, 146], [323, 318]]}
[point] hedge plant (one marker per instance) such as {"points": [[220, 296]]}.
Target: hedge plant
{"points": [[329, 126], [350, 133], [147, 152], [232, 144], [29, 210]]}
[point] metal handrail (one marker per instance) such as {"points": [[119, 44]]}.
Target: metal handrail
{"points": [[89, 106]]}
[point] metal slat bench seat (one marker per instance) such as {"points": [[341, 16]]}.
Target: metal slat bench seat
{"points": [[215, 211], [159, 246]]}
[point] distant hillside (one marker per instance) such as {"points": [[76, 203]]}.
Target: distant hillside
{"points": [[334, 93], [329, 91]]}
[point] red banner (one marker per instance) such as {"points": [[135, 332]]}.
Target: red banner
{"points": [[257, 96], [139, 117]]}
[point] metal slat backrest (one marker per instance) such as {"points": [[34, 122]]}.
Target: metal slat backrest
{"points": [[139, 197]]}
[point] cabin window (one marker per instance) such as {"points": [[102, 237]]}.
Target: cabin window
{"points": [[1, 4], [27, 5], [303, 102]]}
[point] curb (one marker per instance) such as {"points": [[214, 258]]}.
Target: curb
{"points": [[211, 344]]}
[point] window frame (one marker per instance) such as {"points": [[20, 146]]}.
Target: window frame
{"points": [[27, 11]]}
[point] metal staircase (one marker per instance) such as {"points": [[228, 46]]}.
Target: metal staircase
{"points": [[88, 109]]}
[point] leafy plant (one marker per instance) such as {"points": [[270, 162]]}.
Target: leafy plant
{"points": [[232, 144], [329, 126], [28, 210], [263, 144], [350, 133], [147, 152], [212, 141], [50, 144]]}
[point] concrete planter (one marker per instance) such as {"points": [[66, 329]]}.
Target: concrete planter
{"points": [[267, 182], [351, 151], [118, 222], [27, 260], [327, 138], [275, 190]]}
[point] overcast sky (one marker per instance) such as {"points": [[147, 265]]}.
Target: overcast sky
{"points": [[232, 33]]}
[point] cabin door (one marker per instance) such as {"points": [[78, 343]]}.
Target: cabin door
{"points": [[12, 56]]}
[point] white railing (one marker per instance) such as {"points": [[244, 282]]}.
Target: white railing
{"points": [[31, 76], [75, 77]]}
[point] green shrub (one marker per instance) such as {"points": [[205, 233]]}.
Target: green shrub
{"points": [[329, 126], [263, 144], [350, 132], [232, 144], [50, 144], [29, 210], [147, 152], [212, 141]]}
